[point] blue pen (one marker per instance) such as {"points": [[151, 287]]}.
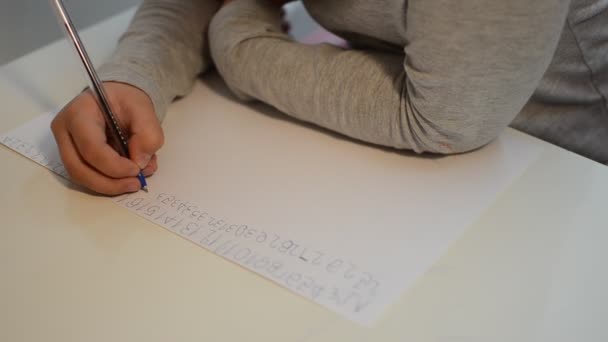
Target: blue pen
{"points": [[116, 134]]}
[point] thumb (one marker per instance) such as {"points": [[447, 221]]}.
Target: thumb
{"points": [[146, 139]]}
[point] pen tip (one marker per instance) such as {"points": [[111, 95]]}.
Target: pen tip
{"points": [[145, 188]]}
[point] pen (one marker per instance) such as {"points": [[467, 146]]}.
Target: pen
{"points": [[116, 134]]}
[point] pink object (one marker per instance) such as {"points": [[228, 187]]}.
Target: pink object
{"points": [[322, 36]]}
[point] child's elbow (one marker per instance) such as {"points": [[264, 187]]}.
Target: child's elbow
{"points": [[468, 133]]}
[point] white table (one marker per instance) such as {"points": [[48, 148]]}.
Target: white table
{"points": [[75, 267]]}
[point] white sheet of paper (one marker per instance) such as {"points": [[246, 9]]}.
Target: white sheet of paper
{"points": [[347, 225]]}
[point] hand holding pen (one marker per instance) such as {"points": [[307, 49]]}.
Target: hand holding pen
{"points": [[108, 135]]}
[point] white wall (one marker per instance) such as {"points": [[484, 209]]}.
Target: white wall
{"points": [[26, 25]]}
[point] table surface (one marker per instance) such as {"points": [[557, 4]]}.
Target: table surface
{"points": [[529, 269]]}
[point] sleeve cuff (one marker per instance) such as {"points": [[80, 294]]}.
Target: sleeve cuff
{"points": [[114, 72]]}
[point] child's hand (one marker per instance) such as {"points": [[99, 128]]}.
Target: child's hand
{"points": [[80, 132]]}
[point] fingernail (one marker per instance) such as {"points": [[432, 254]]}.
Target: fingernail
{"points": [[133, 187], [142, 160]]}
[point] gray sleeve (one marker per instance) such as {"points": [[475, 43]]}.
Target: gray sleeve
{"points": [[164, 49], [467, 70]]}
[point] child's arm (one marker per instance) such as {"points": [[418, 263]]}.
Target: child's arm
{"points": [[164, 49], [467, 70]]}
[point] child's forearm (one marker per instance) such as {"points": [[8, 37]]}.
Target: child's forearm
{"points": [[457, 85], [164, 49]]}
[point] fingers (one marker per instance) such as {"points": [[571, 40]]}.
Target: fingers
{"points": [[85, 175], [136, 111], [90, 140], [151, 167], [145, 140]]}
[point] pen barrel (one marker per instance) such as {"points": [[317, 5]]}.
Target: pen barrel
{"points": [[118, 139]]}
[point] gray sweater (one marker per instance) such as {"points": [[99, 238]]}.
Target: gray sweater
{"points": [[427, 75]]}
